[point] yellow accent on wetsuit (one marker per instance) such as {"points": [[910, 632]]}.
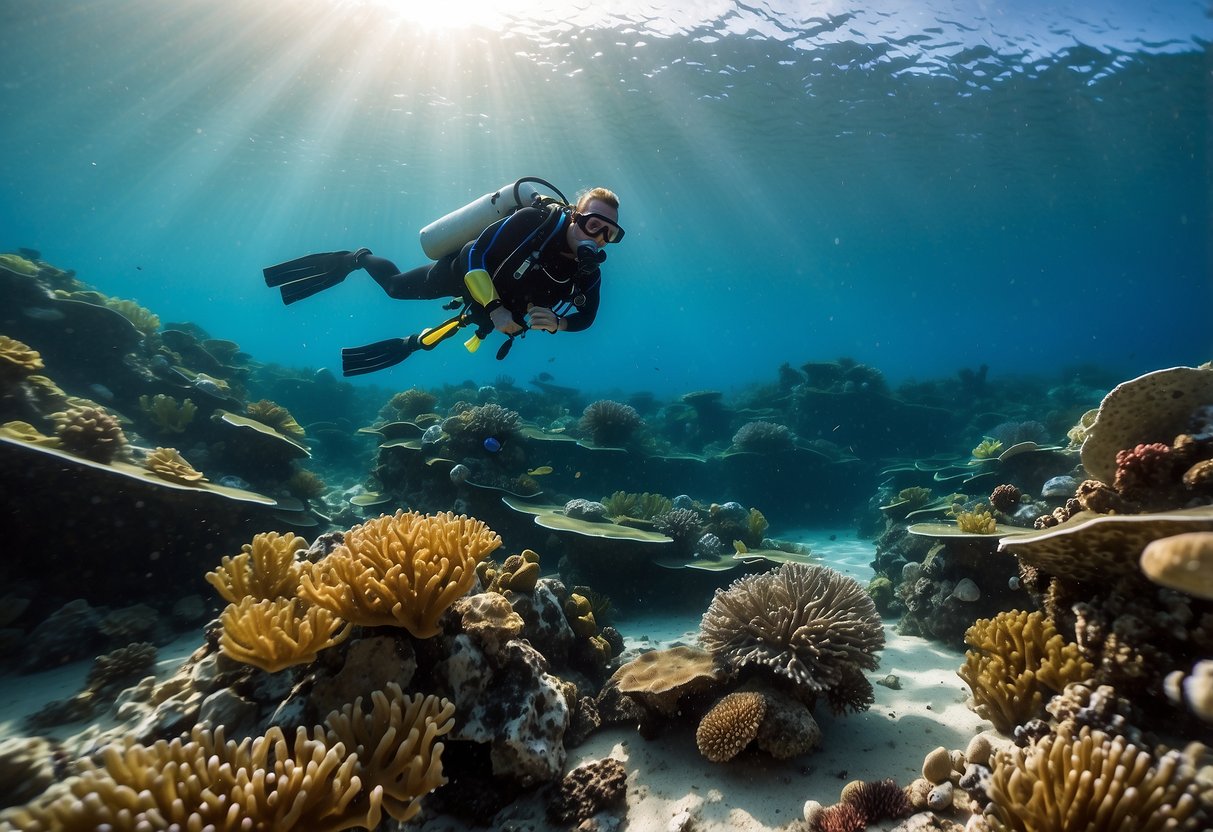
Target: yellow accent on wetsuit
{"points": [[481, 287]]}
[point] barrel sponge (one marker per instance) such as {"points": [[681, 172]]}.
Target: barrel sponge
{"points": [[730, 725], [344, 775], [1018, 661], [266, 568], [1085, 779], [401, 570], [808, 623], [279, 633]]}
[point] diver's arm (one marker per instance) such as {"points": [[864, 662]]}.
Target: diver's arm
{"points": [[582, 317]]}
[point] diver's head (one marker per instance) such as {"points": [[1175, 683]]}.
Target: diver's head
{"points": [[595, 218]]}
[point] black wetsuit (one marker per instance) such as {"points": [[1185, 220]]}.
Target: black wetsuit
{"points": [[524, 253]]}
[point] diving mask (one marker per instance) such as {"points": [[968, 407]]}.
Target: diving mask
{"points": [[596, 225]]}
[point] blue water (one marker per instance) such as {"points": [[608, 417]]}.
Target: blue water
{"points": [[919, 186]]}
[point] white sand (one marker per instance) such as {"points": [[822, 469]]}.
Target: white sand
{"points": [[667, 775]]}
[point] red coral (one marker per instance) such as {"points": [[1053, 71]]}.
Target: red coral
{"points": [[841, 817], [1144, 469], [1005, 497]]}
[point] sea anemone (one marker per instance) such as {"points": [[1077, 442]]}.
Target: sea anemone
{"points": [[610, 423]]}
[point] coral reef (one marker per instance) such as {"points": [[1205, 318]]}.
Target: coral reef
{"points": [[1085, 779], [1183, 562], [730, 725], [805, 623], [345, 774], [976, 522], [660, 678], [1005, 497], [276, 416], [143, 319], [409, 403], [643, 506], [609, 423], [401, 570], [1018, 661]]}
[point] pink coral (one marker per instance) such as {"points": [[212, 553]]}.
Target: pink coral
{"points": [[1144, 469]]}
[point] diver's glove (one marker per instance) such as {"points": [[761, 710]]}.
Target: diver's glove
{"points": [[589, 255], [503, 319]]}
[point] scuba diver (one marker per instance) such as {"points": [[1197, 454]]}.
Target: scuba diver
{"points": [[535, 266]]}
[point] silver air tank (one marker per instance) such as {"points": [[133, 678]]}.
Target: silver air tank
{"points": [[447, 235]]}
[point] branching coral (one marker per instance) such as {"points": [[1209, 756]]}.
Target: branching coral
{"points": [[167, 414], [279, 633], [684, 525], [401, 570], [608, 422], [987, 449], [467, 431], [763, 438], [806, 623], [90, 432], [344, 775], [169, 464], [17, 359], [265, 569], [1080, 780], [1018, 661], [276, 416]]}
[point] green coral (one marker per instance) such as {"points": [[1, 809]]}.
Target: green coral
{"points": [[17, 263], [915, 495], [987, 449], [143, 319], [168, 414], [643, 506], [756, 527], [976, 522]]}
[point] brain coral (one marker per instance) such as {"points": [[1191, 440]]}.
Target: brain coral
{"points": [[808, 623]]}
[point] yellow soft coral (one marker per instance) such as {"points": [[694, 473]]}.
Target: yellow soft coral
{"points": [[1018, 660], [142, 318], [987, 449], [1080, 780], [279, 633], [18, 359], [276, 416], [265, 569], [169, 464], [976, 522], [345, 775], [401, 570]]}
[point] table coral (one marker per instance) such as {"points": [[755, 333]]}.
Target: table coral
{"points": [[1084, 779], [401, 570], [1017, 661], [343, 775], [806, 623]]}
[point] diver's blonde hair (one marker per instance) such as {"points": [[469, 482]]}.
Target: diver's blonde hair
{"points": [[601, 194]]}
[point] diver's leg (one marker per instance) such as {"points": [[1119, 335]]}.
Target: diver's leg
{"points": [[437, 280]]}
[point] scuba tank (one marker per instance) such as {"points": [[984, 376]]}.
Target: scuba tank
{"points": [[447, 235]]}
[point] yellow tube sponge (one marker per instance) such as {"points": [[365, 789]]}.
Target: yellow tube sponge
{"points": [[279, 633], [1019, 659], [401, 570], [266, 568], [343, 776], [1090, 780]]}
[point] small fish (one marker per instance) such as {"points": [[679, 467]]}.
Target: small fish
{"points": [[540, 471], [41, 313], [492, 444], [102, 392]]}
